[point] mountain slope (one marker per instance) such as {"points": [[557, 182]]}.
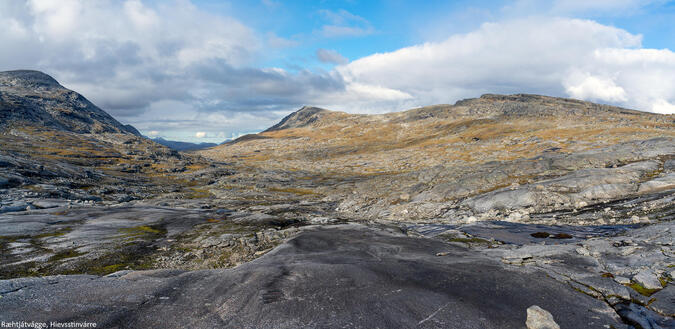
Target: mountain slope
{"points": [[301, 118], [492, 127], [36, 99], [55, 143], [491, 157]]}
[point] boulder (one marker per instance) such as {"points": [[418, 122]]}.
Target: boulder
{"points": [[539, 318]]}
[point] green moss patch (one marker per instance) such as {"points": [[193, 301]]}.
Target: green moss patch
{"points": [[142, 231], [59, 232], [640, 289], [64, 254]]}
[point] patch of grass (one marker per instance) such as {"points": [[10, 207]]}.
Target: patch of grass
{"points": [[640, 289], [142, 232], [197, 193], [470, 240], [13, 238], [293, 190], [64, 254], [59, 232], [20, 271], [195, 167], [113, 268]]}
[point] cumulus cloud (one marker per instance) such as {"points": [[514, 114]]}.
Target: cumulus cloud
{"points": [[561, 56], [594, 88], [330, 56], [200, 134]]}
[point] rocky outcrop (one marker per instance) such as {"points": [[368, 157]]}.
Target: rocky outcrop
{"points": [[36, 99], [539, 318]]}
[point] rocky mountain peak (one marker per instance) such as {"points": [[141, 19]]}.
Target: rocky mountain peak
{"points": [[33, 98], [27, 79], [300, 118]]}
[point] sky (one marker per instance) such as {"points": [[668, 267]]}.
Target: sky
{"points": [[207, 71]]}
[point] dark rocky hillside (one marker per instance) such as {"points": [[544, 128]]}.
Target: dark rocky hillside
{"points": [[36, 99]]}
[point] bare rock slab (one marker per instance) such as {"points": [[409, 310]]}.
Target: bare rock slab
{"points": [[340, 276]]}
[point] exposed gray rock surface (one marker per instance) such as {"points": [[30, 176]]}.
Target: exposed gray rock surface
{"points": [[648, 279], [331, 277]]}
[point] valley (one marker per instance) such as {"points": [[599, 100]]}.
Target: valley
{"points": [[459, 215]]}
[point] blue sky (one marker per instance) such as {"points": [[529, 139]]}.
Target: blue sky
{"points": [[206, 70], [395, 24]]}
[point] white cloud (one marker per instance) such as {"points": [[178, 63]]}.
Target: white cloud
{"points": [[560, 56], [141, 16], [200, 134], [122, 55], [594, 88], [663, 107]]}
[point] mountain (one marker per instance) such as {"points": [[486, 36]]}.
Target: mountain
{"points": [[183, 146], [425, 162], [301, 118], [492, 127], [36, 99], [62, 146]]}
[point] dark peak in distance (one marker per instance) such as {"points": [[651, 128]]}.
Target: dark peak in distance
{"points": [[33, 98], [183, 146], [27, 79], [300, 118]]}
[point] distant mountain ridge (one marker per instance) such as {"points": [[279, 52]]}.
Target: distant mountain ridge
{"points": [[183, 146], [34, 98], [472, 130], [485, 106]]}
